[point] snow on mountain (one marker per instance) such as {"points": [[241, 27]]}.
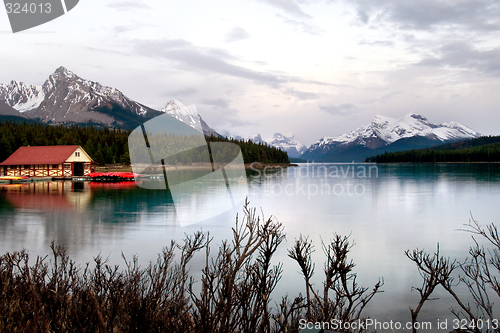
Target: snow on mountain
{"points": [[189, 116], [228, 135], [255, 138], [186, 114], [288, 144], [385, 130], [20, 96], [67, 98]]}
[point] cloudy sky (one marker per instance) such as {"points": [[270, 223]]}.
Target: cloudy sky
{"points": [[303, 67]]}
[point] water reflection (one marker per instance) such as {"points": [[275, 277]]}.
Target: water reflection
{"points": [[48, 196], [400, 207]]}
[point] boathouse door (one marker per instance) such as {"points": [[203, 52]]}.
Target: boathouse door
{"points": [[77, 169]]}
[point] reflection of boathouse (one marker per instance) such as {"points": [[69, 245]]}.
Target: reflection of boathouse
{"points": [[48, 196], [48, 161]]}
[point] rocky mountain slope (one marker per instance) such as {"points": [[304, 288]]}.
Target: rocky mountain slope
{"points": [[66, 98]]}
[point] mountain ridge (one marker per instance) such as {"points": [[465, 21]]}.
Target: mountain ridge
{"points": [[292, 147], [190, 116], [385, 133], [66, 98]]}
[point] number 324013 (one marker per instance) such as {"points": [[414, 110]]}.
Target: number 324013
{"points": [[31, 8]]}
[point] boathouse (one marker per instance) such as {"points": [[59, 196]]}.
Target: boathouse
{"points": [[48, 161]]}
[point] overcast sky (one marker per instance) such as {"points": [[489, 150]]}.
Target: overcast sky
{"points": [[303, 67]]}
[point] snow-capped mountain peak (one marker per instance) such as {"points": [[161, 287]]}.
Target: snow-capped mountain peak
{"points": [[188, 115], [64, 72], [20, 96], [383, 131], [256, 138], [67, 98], [288, 144]]}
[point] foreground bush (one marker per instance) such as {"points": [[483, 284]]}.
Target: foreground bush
{"points": [[55, 295]]}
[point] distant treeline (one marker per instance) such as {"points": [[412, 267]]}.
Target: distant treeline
{"points": [[256, 152], [483, 149], [178, 149], [106, 146]]}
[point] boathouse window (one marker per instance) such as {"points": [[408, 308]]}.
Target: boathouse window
{"points": [[55, 166], [77, 154], [67, 166]]}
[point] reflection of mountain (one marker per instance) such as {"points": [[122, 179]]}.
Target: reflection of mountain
{"points": [[48, 196]]}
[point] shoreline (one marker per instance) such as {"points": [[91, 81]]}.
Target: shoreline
{"points": [[435, 162], [248, 166]]}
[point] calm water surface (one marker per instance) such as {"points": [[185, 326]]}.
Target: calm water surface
{"points": [[386, 209]]}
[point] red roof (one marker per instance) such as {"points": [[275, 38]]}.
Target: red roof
{"points": [[40, 155]]}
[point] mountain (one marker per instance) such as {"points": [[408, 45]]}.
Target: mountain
{"points": [[9, 113], [20, 96], [288, 144], [255, 138], [66, 98], [386, 134], [230, 136], [189, 116]]}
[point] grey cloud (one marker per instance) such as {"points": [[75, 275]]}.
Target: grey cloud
{"points": [[306, 27], [227, 118], [289, 6], [464, 56], [128, 5], [303, 95], [363, 17], [377, 43], [182, 92], [475, 15], [122, 29], [389, 96], [384, 98], [236, 34], [239, 122], [342, 109], [193, 58], [219, 102]]}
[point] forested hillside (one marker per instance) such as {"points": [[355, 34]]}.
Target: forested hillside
{"points": [[483, 149], [106, 146]]}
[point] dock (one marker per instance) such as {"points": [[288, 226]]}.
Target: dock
{"points": [[6, 181]]}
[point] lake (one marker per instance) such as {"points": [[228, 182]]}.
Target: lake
{"points": [[386, 209]]}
